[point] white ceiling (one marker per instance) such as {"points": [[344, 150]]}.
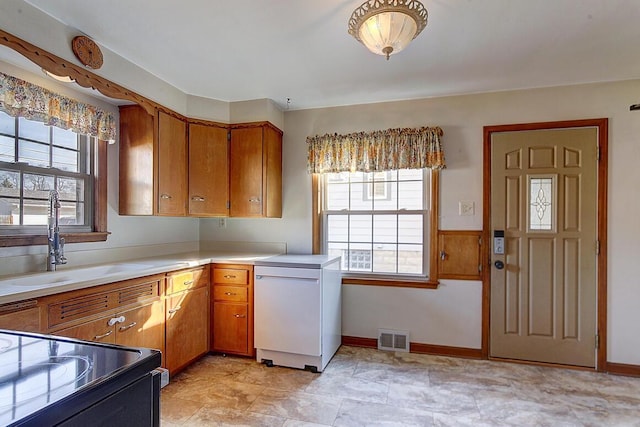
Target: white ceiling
{"points": [[238, 50]]}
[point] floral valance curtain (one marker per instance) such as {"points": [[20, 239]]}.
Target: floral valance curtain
{"points": [[19, 98], [403, 148]]}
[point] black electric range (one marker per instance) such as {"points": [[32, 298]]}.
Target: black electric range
{"points": [[47, 380]]}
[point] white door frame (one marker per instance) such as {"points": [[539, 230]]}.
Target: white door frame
{"points": [[601, 305]]}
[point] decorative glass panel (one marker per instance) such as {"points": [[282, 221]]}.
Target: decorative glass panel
{"points": [[542, 203]]}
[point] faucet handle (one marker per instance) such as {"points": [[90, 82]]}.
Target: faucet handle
{"points": [[63, 259]]}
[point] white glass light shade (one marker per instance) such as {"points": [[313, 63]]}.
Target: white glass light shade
{"points": [[386, 27], [387, 33], [63, 79]]}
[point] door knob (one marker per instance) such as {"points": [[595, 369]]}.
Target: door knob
{"points": [[499, 265]]}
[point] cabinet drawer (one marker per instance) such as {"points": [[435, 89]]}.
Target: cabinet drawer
{"points": [[98, 330], [188, 279], [231, 276], [230, 293]]}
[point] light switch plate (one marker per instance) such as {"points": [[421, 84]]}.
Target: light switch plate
{"points": [[466, 208], [222, 222]]}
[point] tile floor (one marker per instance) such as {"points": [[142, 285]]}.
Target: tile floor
{"points": [[366, 387]]}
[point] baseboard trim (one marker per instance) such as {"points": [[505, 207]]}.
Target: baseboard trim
{"points": [[439, 350], [360, 342], [623, 369], [443, 350]]}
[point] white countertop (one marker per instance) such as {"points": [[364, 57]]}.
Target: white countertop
{"points": [[35, 285]]}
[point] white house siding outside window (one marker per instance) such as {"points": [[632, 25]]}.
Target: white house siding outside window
{"points": [[378, 221]]}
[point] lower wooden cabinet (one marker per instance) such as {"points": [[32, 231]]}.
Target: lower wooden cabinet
{"points": [[186, 318], [232, 309], [137, 327], [21, 316]]}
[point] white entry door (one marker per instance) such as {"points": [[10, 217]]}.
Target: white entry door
{"points": [[544, 284]]}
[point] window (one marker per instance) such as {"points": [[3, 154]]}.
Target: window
{"points": [[34, 159], [379, 223]]}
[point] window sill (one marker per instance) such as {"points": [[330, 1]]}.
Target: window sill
{"points": [[396, 283], [31, 239]]}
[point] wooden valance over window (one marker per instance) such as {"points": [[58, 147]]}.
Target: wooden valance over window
{"points": [[19, 98], [403, 148]]}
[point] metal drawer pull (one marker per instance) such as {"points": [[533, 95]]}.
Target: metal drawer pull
{"points": [[197, 199], [239, 316], [99, 337], [130, 325], [188, 282], [230, 293], [173, 310], [165, 196], [443, 255], [254, 200], [115, 320], [229, 276]]}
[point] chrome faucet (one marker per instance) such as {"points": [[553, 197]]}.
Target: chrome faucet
{"points": [[55, 255]]}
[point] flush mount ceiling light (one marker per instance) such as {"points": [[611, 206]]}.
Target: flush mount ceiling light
{"points": [[386, 27]]}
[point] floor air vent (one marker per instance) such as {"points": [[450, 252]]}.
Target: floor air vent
{"points": [[391, 340]]}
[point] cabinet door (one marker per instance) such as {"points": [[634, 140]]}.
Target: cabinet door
{"points": [[142, 327], [246, 172], [22, 319], [187, 327], [230, 327], [172, 165], [208, 170], [136, 147], [97, 330]]}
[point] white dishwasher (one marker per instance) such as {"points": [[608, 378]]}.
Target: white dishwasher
{"points": [[297, 310]]}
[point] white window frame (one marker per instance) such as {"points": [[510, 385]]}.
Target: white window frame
{"points": [[426, 212]]}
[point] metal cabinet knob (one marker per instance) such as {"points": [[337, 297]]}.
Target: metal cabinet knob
{"points": [[165, 196], [239, 316]]}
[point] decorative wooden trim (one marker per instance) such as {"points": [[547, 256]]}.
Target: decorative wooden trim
{"points": [[316, 213], [440, 350], [444, 350], [360, 342], [623, 369], [603, 143], [434, 225], [426, 284], [100, 190], [254, 125], [61, 67]]}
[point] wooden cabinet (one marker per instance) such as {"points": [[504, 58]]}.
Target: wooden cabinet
{"points": [[255, 171], [208, 170], [21, 316], [172, 165], [128, 313], [232, 309], [186, 317], [171, 168], [153, 163], [459, 254]]}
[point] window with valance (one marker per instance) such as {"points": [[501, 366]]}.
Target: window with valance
{"points": [[49, 141], [376, 194]]}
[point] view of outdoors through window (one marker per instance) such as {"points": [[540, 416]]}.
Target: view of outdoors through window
{"points": [[34, 159], [377, 221]]}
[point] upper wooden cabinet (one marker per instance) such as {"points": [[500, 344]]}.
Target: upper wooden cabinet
{"points": [[172, 165], [153, 163], [256, 171], [208, 170]]}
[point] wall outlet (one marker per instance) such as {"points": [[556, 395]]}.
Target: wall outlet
{"points": [[466, 208], [222, 222]]}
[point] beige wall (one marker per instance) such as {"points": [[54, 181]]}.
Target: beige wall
{"points": [[451, 314]]}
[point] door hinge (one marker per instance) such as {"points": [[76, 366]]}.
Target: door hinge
{"points": [[228, 135], [480, 241], [228, 204], [597, 247], [598, 153], [597, 341], [479, 268]]}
